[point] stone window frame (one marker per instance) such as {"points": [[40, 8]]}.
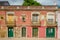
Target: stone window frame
{"points": [[10, 12], [34, 12], [50, 13]]}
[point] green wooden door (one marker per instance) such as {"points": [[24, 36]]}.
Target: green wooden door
{"points": [[10, 32], [35, 32], [23, 32], [50, 32]]}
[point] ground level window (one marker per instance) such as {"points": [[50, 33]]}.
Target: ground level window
{"points": [[35, 32], [23, 32], [50, 32]]}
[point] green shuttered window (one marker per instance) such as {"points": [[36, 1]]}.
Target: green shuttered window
{"points": [[23, 32], [35, 32]]}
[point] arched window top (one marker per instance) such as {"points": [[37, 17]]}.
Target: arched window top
{"points": [[23, 27], [23, 15], [10, 12], [35, 12], [50, 13]]}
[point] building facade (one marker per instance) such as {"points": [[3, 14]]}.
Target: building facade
{"points": [[28, 21]]}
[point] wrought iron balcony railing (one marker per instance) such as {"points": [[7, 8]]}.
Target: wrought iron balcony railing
{"points": [[35, 23], [10, 23], [50, 24]]}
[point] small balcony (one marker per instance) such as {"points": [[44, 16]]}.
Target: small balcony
{"points": [[35, 24], [10, 23], [51, 24]]}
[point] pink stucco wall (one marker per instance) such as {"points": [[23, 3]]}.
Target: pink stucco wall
{"points": [[19, 19], [56, 32], [2, 22], [42, 32], [41, 29], [28, 17], [29, 31]]}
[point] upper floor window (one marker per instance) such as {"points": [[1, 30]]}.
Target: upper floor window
{"points": [[50, 17], [35, 16], [10, 16]]}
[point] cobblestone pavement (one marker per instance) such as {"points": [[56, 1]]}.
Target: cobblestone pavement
{"points": [[29, 39]]}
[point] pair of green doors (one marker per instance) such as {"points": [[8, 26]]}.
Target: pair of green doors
{"points": [[50, 32], [10, 31]]}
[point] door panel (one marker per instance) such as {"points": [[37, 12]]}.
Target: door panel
{"points": [[50, 32], [35, 32], [23, 32], [10, 32]]}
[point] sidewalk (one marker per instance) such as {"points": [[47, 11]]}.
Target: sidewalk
{"points": [[29, 39]]}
